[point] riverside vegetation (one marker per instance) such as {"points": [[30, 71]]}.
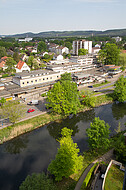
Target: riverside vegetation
{"points": [[62, 112]]}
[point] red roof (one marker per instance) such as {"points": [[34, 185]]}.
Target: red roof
{"points": [[2, 64], [5, 57], [123, 51], [20, 64]]}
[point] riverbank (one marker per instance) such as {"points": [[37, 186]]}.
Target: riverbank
{"points": [[22, 127]]}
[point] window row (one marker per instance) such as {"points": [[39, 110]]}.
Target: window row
{"points": [[38, 80]]}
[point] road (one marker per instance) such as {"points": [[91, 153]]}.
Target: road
{"points": [[40, 108]]}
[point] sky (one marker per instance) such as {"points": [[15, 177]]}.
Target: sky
{"points": [[20, 16]]}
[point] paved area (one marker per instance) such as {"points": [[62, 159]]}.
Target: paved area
{"points": [[106, 158]]}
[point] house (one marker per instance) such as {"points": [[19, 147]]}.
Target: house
{"points": [[95, 50], [61, 50], [22, 66], [52, 47], [3, 63]]}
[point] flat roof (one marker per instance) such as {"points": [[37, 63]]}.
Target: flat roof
{"points": [[36, 72]]}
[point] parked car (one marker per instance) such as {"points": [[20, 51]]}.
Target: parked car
{"points": [[31, 110], [90, 86], [33, 102]]}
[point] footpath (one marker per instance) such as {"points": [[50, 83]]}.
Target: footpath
{"points": [[106, 158]]}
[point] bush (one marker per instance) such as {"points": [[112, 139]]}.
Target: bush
{"points": [[88, 177], [37, 182], [5, 75]]}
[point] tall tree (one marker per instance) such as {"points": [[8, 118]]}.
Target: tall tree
{"points": [[16, 57], [64, 98], [98, 134], [109, 54], [2, 52], [30, 61], [68, 45], [67, 160], [120, 89], [10, 63], [42, 46], [13, 110]]}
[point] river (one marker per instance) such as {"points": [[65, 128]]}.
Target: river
{"points": [[32, 152]]}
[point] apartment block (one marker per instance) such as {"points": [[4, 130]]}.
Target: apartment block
{"points": [[82, 44]]}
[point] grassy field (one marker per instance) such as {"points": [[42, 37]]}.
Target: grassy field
{"points": [[101, 84], [114, 179]]}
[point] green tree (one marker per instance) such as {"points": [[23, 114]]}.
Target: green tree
{"points": [[68, 45], [98, 134], [10, 63], [120, 89], [63, 98], [30, 61], [37, 182], [109, 54], [2, 52], [42, 46], [122, 59], [16, 57], [88, 99], [66, 77], [13, 110], [67, 160], [120, 149], [2, 101], [82, 51]]}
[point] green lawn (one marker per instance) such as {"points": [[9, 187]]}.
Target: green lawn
{"points": [[114, 179]]}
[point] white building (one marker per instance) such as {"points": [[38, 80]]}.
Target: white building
{"points": [[25, 40], [117, 39], [82, 60], [22, 66], [82, 44], [61, 50], [95, 50]]}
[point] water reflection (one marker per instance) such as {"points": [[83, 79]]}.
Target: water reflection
{"points": [[16, 145], [71, 123], [118, 110]]}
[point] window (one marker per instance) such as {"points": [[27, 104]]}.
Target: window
{"points": [[43, 78], [47, 78], [35, 80], [27, 82], [57, 76], [22, 82], [39, 79], [50, 77], [31, 81]]}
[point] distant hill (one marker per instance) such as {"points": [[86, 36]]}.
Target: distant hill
{"points": [[114, 32]]}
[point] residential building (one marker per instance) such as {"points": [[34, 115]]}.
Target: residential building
{"points": [[82, 44], [81, 60], [3, 63], [95, 50], [117, 39], [22, 66], [25, 40], [36, 77], [61, 50]]}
